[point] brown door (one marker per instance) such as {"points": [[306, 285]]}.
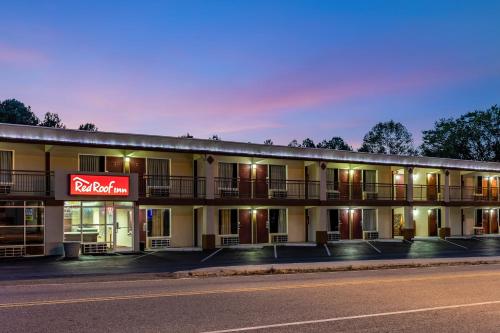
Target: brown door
{"points": [[431, 186], [245, 172], [261, 223], [344, 224], [485, 189], [399, 187], [356, 228], [486, 221], [494, 188], [494, 221], [357, 190], [432, 222], [245, 231], [138, 165], [261, 181], [344, 184], [114, 164]]}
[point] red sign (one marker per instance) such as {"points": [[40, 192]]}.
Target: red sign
{"points": [[99, 185]]}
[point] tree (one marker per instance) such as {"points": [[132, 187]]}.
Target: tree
{"points": [[294, 143], [472, 136], [88, 127], [269, 142], [214, 137], [308, 143], [334, 143], [187, 136], [388, 138], [14, 112], [52, 120]]}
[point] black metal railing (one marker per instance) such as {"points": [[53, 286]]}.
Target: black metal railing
{"points": [[428, 192], [474, 193], [266, 189], [365, 191], [24, 182], [161, 186]]}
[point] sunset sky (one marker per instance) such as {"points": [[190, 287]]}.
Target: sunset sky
{"points": [[251, 70]]}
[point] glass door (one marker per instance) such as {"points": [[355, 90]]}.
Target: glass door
{"points": [[124, 229]]}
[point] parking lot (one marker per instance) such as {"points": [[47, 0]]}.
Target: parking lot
{"points": [[171, 261]]}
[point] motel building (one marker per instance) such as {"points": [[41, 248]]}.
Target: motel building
{"points": [[115, 192]]}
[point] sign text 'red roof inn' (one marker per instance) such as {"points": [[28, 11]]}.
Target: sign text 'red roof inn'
{"points": [[96, 185]]}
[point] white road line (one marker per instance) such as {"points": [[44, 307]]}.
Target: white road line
{"points": [[447, 241], [327, 250], [144, 255], [373, 246], [211, 255], [275, 252], [370, 315]]}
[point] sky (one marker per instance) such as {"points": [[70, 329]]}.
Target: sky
{"points": [[251, 70]]}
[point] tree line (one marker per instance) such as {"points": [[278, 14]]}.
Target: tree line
{"points": [[13, 111], [472, 136]]}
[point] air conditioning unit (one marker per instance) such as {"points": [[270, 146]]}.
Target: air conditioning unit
{"points": [[368, 235], [333, 236], [229, 192], [279, 194], [5, 188], [333, 195], [370, 195], [159, 191]]}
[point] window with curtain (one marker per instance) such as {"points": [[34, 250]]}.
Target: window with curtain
{"points": [[369, 220], [158, 171], [277, 177], [333, 220], [277, 221], [92, 163], [332, 179], [228, 221], [228, 174], [158, 221], [6, 166], [369, 180]]}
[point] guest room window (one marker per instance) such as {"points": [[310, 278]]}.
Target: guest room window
{"points": [[369, 220], [332, 179], [277, 221], [277, 177], [333, 220], [6, 166], [228, 221], [369, 181], [92, 163]]}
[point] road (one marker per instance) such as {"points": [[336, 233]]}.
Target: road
{"points": [[444, 299]]}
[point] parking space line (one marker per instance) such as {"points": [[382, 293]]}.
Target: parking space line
{"points": [[211, 255], [327, 250], [373, 246], [144, 255], [447, 241], [275, 252]]}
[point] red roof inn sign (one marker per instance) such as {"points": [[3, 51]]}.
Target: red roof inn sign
{"points": [[95, 185]]}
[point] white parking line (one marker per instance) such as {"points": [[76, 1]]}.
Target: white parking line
{"points": [[211, 255], [373, 246], [275, 252], [463, 247], [370, 315], [327, 250]]}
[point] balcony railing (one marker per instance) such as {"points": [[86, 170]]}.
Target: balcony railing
{"points": [[266, 189], [365, 191], [21, 182], [160, 186], [473, 193], [428, 193]]}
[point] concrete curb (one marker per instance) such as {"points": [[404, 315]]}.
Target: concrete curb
{"points": [[330, 267]]}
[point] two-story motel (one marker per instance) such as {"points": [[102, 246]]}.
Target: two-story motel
{"points": [[129, 192]]}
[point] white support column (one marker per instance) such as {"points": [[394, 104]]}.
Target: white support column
{"points": [[409, 183], [210, 177], [446, 186], [322, 181], [447, 218]]}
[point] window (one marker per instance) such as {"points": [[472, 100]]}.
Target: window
{"points": [[479, 185], [332, 179], [369, 181], [158, 221], [228, 174], [158, 171], [277, 221], [228, 222], [22, 225], [92, 163], [369, 220], [333, 220], [479, 218], [6, 166], [277, 177]]}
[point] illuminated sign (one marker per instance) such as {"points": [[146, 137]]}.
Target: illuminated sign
{"points": [[99, 185]]}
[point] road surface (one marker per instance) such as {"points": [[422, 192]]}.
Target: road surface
{"points": [[444, 299]]}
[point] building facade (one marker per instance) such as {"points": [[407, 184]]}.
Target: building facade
{"points": [[127, 192]]}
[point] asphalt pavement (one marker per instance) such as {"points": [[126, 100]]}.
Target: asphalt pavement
{"points": [[443, 299]]}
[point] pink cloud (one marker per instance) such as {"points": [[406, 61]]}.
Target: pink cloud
{"points": [[21, 56]]}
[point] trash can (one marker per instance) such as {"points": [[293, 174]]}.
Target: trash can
{"points": [[71, 250]]}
